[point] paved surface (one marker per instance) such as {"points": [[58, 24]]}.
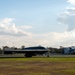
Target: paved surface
{"points": [[51, 55]]}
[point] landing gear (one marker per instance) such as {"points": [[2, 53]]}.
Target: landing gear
{"points": [[48, 54], [28, 55]]}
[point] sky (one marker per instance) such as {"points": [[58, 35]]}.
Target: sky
{"points": [[49, 23]]}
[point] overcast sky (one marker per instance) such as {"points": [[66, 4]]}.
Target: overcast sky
{"points": [[50, 23]]}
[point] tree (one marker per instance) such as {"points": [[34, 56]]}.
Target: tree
{"points": [[4, 47], [22, 47]]}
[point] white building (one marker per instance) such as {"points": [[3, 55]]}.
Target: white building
{"points": [[68, 50]]}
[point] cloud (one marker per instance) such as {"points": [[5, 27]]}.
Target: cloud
{"points": [[71, 1], [67, 18], [25, 27], [7, 27], [53, 39], [8, 31]]}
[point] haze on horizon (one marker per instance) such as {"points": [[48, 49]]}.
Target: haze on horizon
{"points": [[37, 22]]}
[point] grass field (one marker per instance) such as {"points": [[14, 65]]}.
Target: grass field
{"points": [[37, 66]]}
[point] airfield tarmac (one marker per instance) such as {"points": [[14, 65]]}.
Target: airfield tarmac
{"points": [[51, 55]]}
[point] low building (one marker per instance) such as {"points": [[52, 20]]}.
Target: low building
{"points": [[68, 50]]}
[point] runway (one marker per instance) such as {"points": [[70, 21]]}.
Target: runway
{"points": [[51, 55]]}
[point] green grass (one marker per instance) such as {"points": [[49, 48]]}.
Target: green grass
{"points": [[40, 59], [37, 66]]}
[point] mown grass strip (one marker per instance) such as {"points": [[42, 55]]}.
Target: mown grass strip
{"points": [[40, 59]]}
